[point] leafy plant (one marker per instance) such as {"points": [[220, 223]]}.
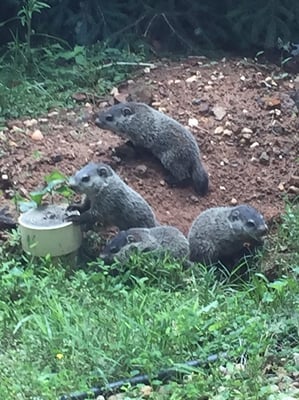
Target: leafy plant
{"points": [[56, 183], [29, 8]]}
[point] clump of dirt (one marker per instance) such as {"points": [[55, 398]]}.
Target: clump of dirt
{"points": [[243, 115]]}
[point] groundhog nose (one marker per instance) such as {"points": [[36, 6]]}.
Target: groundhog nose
{"points": [[109, 117], [264, 229], [72, 183]]}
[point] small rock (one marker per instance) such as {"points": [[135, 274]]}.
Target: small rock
{"points": [[114, 91], [254, 145], [156, 103], [233, 201], [192, 122], [207, 87], [223, 188], [222, 163], [57, 127], [177, 81], [191, 79], [52, 114], [219, 112], [264, 158], [17, 129], [43, 120], [194, 199], [281, 187], [162, 182], [141, 169], [196, 102], [121, 97], [247, 136], [30, 122], [247, 130], [204, 107], [269, 102], [244, 111], [227, 132], [37, 135], [219, 130]]}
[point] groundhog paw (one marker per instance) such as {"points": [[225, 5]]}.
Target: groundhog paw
{"points": [[72, 218]]}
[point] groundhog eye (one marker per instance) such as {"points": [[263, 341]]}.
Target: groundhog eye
{"points": [[113, 249], [85, 178], [127, 111], [109, 118], [251, 224]]}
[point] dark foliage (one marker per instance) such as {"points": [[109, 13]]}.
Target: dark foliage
{"points": [[176, 25]]}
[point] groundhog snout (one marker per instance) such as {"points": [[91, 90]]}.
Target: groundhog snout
{"points": [[72, 183], [263, 229]]}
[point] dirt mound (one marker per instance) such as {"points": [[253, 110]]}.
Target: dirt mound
{"points": [[244, 117]]}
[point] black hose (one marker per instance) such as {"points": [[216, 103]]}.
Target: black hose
{"points": [[163, 376]]}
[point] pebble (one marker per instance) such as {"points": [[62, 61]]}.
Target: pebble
{"points": [[222, 188], [254, 145], [264, 158], [52, 114], [194, 199], [191, 79], [227, 132], [233, 201], [247, 136], [196, 102], [281, 187], [30, 122], [247, 130], [219, 130], [219, 112], [37, 135], [192, 122], [162, 182], [43, 120]]}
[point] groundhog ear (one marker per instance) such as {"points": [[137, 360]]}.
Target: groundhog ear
{"points": [[127, 111], [234, 216], [131, 239], [102, 171]]}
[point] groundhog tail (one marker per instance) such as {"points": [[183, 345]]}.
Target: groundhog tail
{"points": [[200, 179]]}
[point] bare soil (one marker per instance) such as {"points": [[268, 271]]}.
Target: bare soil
{"points": [[243, 115]]}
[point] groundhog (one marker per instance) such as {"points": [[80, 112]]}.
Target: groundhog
{"points": [[165, 138], [221, 234], [160, 240], [6, 220], [109, 200]]}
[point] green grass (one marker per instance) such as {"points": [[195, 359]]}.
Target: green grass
{"points": [[65, 330], [53, 73]]}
